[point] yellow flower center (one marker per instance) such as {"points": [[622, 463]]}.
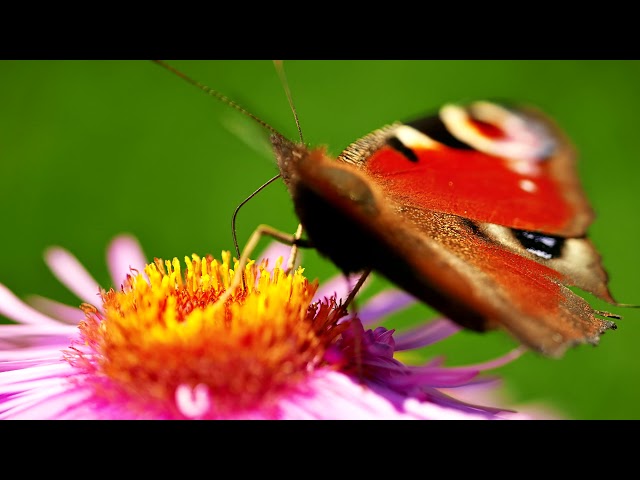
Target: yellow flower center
{"points": [[166, 332]]}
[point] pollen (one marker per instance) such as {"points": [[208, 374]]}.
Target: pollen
{"points": [[163, 342]]}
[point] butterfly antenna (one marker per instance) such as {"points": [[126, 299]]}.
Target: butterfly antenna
{"points": [[214, 93], [226, 100], [285, 84]]}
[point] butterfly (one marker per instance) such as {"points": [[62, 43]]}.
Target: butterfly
{"points": [[476, 210]]}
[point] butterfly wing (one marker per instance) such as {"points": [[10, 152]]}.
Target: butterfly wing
{"points": [[484, 162], [453, 235], [509, 171]]}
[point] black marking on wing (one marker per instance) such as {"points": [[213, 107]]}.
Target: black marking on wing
{"points": [[396, 144], [475, 229], [436, 129], [544, 246]]}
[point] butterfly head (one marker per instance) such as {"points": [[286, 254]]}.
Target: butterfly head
{"points": [[311, 170]]}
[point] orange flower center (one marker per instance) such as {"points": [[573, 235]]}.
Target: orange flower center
{"points": [[165, 333]]}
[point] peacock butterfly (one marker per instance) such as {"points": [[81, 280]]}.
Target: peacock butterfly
{"points": [[476, 210]]}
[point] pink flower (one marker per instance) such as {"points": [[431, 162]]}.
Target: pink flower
{"points": [[158, 346]]}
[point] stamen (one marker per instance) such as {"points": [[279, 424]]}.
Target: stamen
{"points": [[165, 336]]}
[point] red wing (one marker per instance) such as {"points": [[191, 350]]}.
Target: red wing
{"points": [[482, 218], [480, 275], [486, 163], [467, 269]]}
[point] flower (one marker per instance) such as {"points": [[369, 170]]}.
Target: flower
{"points": [[159, 346]]}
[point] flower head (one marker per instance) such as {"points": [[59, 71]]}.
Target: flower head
{"points": [[160, 346]]}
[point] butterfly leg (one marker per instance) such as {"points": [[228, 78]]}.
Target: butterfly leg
{"points": [[293, 255], [242, 204], [262, 230], [357, 338], [356, 288]]}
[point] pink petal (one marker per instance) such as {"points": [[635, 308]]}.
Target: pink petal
{"points": [[59, 341], [15, 309], [20, 387], [55, 401], [72, 274], [426, 334], [275, 250], [30, 353], [123, 254], [498, 362], [22, 364], [8, 330], [429, 410], [435, 377], [333, 395], [26, 339], [488, 394], [383, 304], [339, 285], [57, 310], [39, 372]]}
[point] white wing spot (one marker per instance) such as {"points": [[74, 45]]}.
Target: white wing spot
{"points": [[526, 140], [412, 138], [528, 186]]}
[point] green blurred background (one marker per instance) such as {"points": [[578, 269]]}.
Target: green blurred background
{"points": [[89, 149]]}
